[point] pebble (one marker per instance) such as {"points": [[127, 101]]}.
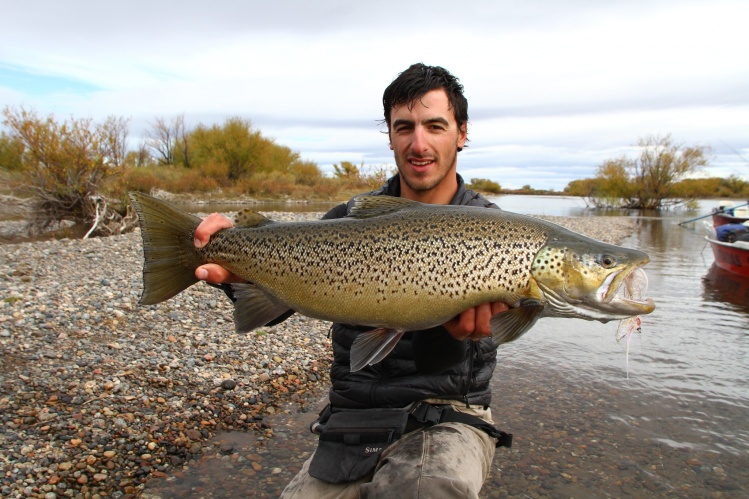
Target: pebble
{"points": [[98, 394]]}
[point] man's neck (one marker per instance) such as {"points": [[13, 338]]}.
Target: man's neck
{"points": [[442, 194]]}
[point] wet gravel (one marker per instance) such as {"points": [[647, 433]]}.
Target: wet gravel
{"points": [[99, 396]]}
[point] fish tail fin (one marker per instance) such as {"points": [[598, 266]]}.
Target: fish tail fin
{"points": [[168, 249]]}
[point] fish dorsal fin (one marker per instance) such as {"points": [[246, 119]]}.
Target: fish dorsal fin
{"points": [[249, 218], [375, 206]]}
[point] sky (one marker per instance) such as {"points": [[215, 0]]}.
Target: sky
{"points": [[554, 88]]}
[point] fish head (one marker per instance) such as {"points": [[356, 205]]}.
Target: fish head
{"points": [[592, 280]]}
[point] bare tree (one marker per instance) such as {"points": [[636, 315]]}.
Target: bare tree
{"points": [[168, 138], [180, 134], [142, 156], [114, 146]]}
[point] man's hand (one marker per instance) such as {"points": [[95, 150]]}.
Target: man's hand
{"points": [[211, 272], [473, 323]]}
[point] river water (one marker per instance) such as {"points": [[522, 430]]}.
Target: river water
{"points": [[668, 418]]}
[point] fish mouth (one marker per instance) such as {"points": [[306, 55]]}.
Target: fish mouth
{"points": [[623, 292]]}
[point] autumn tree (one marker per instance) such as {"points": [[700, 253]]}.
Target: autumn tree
{"points": [[486, 185], [649, 181], [584, 187], [235, 150], [347, 171], [11, 153], [65, 163]]}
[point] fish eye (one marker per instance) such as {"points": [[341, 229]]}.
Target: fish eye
{"points": [[607, 261]]}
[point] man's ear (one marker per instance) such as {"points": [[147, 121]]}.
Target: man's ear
{"points": [[463, 136]]}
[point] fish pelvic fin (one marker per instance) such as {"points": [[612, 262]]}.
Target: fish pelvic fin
{"points": [[375, 206], [170, 256], [370, 347], [512, 324], [253, 307]]}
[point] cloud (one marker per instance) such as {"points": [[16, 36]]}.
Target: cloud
{"points": [[553, 88]]}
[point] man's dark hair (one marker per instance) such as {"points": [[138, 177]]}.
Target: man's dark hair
{"points": [[413, 83]]}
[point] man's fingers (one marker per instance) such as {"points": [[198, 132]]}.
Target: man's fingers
{"points": [[483, 316], [461, 327], [216, 274], [475, 323], [209, 226], [211, 272], [499, 307]]}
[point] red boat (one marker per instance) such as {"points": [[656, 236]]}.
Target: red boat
{"points": [[730, 214], [733, 257]]}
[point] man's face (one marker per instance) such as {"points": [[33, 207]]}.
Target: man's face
{"points": [[425, 141]]}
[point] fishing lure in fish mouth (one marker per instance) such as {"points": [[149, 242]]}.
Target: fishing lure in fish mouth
{"points": [[634, 288]]}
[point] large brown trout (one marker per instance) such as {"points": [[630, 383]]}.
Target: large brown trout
{"points": [[395, 265]]}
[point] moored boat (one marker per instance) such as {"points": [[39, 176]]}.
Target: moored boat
{"points": [[730, 214], [733, 257]]}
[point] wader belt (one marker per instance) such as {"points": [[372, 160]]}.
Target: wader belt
{"points": [[424, 414]]}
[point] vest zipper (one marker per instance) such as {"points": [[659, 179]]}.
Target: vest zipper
{"points": [[469, 377]]}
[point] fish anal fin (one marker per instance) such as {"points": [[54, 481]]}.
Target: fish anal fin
{"points": [[375, 206], [250, 218], [510, 325], [253, 307], [370, 347]]}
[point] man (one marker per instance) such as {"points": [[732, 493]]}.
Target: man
{"points": [[441, 375]]}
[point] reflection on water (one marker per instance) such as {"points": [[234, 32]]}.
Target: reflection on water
{"points": [[726, 288]]}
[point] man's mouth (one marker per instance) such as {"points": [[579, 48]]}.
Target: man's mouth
{"points": [[421, 164]]}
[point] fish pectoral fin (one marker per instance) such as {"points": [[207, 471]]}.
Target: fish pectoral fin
{"points": [[510, 325], [375, 206], [253, 308], [370, 347]]}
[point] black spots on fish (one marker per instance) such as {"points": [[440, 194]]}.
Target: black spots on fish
{"points": [[550, 260], [392, 258]]}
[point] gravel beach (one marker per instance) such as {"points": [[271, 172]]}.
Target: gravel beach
{"points": [[99, 395]]}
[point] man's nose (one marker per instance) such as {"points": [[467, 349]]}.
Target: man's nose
{"points": [[419, 143]]}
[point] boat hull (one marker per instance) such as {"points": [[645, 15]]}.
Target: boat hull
{"points": [[725, 218], [733, 257]]}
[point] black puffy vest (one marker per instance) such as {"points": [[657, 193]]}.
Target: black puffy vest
{"points": [[424, 364]]}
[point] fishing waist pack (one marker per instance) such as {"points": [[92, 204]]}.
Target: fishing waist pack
{"points": [[351, 441]]}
